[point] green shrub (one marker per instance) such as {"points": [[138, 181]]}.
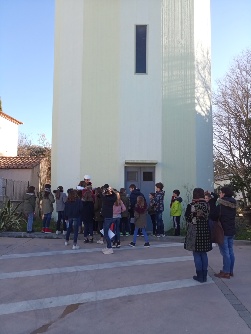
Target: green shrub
{"points": [[10, 218]]}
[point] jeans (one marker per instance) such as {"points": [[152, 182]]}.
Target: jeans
{"points": [[47, 220], [116, 222], [30, 221], [61, 218], [107, 224], [74, 222], [227, 251], [132, 225], [136, 232], [159, 221], [200, 260]]}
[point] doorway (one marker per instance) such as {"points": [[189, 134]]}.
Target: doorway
{"points": [[144, 179]]}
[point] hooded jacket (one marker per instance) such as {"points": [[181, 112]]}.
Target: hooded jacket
{"points": [[176, 208], [226, 211], [29, 203], [159, 201], [60, 202], [107, 205], [47, 203]]}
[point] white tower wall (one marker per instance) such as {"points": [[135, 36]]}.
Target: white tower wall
{"points": [[105, 114]]}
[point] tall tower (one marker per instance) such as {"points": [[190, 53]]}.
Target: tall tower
{"points": [[132, 94]]}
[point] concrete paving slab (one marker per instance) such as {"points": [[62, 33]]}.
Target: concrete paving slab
{"points": [[152, 293]]}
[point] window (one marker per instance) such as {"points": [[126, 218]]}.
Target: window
{"points": [[132, 176], [140, 57], [147, 176]]}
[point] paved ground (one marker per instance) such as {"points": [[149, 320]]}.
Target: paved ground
{"points": [[45, 287]]}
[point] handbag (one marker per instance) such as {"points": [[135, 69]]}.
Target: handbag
{"points": [[217, 233], [190, 239]]}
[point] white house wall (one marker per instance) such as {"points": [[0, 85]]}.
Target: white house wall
{"points": [[8, 138]]}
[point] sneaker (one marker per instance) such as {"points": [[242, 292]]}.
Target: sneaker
{"points": [[101, 242], [66, 243], [127, 234], [137, 235], [58, 232], [132, 244], [104, 249], [91, 240], [47, 230], [118, 244], [43, 230], [108, 251], [64, 232], [75, 247], [121, 234], [158, 236], [86, 241], [113, 245], [146, 244], [142, 235], [163, 235]]}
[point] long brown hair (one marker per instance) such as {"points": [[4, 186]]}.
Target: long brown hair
{"points": [[118, 200], [72, 196], [87, 196]]}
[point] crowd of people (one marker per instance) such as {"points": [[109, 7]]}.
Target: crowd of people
{"points": [[113, 213]]}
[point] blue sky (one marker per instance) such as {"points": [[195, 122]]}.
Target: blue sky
{"points": [[26, 56]]}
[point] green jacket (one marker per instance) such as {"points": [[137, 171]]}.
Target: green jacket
{"points": [[29, 203], [176, 208]]}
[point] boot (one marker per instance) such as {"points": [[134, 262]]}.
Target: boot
{"points": [[199, 276], [231, 274], [204, 275], [222, 275]]}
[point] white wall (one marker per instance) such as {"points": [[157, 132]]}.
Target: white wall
{"points": [[104, 114], [8, 138]]}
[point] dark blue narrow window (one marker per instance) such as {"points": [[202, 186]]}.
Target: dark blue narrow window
{"points": [[141, 37]]}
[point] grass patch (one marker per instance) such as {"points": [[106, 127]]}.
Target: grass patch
{"points": [[243, 229]]}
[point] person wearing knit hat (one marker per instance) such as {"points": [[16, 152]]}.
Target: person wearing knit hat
{"points": [[176, 211], [87, 178]]}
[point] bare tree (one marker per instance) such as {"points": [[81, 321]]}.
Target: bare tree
{"points": [[232, 124], [43, 150]]}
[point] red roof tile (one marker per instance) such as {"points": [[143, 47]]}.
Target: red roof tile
{"points": [[9, 118], [19, 162]]}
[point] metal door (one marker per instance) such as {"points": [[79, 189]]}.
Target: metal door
{"points": [[144, 179]]}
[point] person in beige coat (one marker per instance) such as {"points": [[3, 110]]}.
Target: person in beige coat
{"points": [[140, 220]]}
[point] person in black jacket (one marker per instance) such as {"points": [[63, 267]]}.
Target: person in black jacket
{"points": [[88, 215], [211, 199], [135, 192], [108, 199], [72, 211], [226, 212]]}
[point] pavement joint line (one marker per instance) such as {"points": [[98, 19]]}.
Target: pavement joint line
{"points": [[45, 303], [81, 250], [239, 307], [100, 266]]}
